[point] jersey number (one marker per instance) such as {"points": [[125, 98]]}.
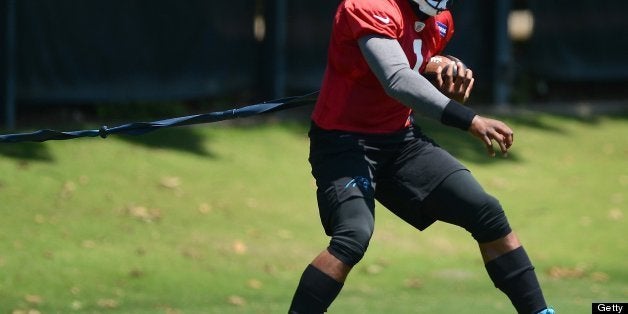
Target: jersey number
{"points": [[417, 45]]}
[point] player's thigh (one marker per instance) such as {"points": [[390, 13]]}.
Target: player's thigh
{"points": [[345, 188], [461, 200], [418, 170]]}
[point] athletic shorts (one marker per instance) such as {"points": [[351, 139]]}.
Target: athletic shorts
{"points": [[399, 170]]}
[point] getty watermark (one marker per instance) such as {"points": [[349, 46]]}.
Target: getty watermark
{"points": [[609, 307]]}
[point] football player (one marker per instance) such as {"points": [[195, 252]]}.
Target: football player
{"points": [[364, 147]]}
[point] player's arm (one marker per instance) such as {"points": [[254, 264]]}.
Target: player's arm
{"points": [[390, 65]]}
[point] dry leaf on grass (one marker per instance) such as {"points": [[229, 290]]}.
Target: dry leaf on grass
{"points": [[40, 219], [374, 269], [33, 299], [255, 284], [144, 214], [558, 272], [599, 276], [170, 310], [170, 182], [76, 305], [236, 300], [107, 303], [204, 208], [615, 214], [239, 247], [68, 189], [413, 283], [88, 244], [30, 311]]}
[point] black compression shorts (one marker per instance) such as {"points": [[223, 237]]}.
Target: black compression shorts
{"points": [[406, 172], [399, 170]]}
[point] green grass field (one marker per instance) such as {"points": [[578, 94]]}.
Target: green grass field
{"points": [[223, 218]]}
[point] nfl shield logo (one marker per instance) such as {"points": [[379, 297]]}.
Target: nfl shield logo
{"points": [[419, 26]]}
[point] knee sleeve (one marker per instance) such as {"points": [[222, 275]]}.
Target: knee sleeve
{"points": [[350, 246], [491, 223], [347, 209], [460, 200], [352, 232]]}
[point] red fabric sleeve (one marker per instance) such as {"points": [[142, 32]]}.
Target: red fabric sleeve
{"points": [[370, 17]]}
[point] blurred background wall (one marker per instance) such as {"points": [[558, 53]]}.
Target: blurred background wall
{"points": [[60, 52]]}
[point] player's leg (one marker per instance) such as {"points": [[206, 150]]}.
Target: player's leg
{"points": [[493, 249], [332, 266], [460, 200], [426, 184], [349, 220], [319, 285], [346, 205]]}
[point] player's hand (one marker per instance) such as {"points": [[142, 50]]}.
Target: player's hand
{"points": [[489, 130], [455, 81]]}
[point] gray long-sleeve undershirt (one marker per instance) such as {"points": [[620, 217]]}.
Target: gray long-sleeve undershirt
{"points": [[390, 65]]}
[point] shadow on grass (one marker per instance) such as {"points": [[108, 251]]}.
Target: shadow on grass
{"points": [[26, 151], [538, 120], [461, 144], [465, 147], [184, 139]]}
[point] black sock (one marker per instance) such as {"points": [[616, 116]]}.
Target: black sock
{"points": [[316, 291], [514, 275]]}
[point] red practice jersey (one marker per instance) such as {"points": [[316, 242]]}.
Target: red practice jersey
{"points": [[351, 97]]}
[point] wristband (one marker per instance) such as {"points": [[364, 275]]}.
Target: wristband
{"points": [[457, 115]]}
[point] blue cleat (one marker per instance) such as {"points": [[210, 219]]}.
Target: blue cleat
{"points": [[547, 311]]}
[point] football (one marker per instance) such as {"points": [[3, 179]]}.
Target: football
{"points": [[440, 61]]}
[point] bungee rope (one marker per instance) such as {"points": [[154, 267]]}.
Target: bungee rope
{"points": [[138, 128]]}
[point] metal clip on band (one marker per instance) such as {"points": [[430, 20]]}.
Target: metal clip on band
{"points": [[103, 131]]}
